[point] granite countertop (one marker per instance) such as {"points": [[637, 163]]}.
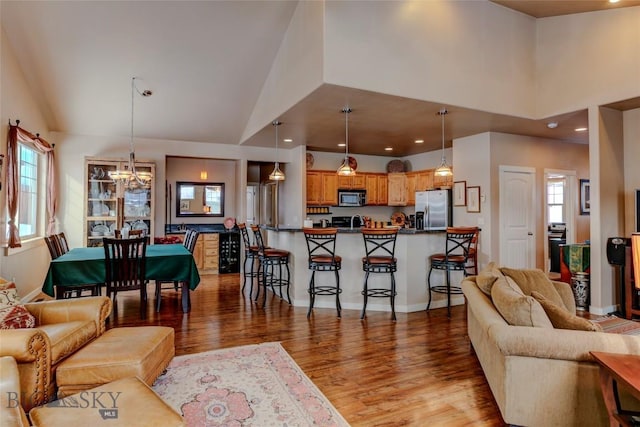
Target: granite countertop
{"points": [[351, 230], [202, 228]]}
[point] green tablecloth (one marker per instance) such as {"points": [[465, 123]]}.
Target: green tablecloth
{"points": [[81, 266]]}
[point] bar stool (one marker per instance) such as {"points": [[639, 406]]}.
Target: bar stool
{"points": [[455, 258], [271, 258], [471, 267], [321, 245], [379, 246], [251, 253]]}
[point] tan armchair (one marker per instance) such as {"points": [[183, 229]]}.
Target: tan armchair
{"points": [[63, 327]]}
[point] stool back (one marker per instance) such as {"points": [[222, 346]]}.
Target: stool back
{"points": [[321, 245], [258, 237], [245, 236], [458, 244], [379, 245]]}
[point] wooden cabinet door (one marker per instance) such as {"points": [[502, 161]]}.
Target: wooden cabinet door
{"points": [[198, 253], [443, 181], [314, 188], [344, 182], [397, 189], [382, 189], [424, 180], [371, 185], [359, 181], [411, 188], [329, 188]]}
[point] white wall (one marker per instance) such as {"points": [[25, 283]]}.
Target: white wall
{"points": [[587, 59], [27, 265]]}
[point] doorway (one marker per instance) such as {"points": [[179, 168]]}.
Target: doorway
{"points": [[560, 198], [252, 203]]}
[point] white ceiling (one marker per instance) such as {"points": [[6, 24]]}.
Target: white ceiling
{"points": [[206, 62]]}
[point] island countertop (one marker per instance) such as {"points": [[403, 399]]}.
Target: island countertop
{"points": [[413, 249]]}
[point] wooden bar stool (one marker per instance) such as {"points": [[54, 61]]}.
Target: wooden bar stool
{"points": [[321, 245], [251, 254], [379, 246], [455, 258], [271, 258]]}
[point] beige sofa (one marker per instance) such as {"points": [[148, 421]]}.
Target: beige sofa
{"points": [[541, 376]]}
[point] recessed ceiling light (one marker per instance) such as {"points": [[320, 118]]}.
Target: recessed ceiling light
{"points": [[552, 125], [288, 140], [614, 1], [580, 129], [419, 141], [342, 144], [388, 149]]}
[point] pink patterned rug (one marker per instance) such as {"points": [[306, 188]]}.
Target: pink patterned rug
{"points": [[253, 385]]}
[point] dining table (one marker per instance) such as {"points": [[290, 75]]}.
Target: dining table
{"points": [[81, 266]]}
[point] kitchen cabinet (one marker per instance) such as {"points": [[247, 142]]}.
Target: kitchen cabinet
{"points": [[376, 186], [397, 189], [111, 205], [322, 188], [424, 180], [357, 182], [411, 188], [210, 252], [443, 181]]}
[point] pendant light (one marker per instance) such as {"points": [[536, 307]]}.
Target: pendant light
{"points": [[443, 169], [345, 168], [277, 174], [129, 176]]}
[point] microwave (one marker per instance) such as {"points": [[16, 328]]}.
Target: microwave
{"points": [[352, 197]]}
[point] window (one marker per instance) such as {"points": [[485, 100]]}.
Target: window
{"points": [[555, 200], [27, 217]]}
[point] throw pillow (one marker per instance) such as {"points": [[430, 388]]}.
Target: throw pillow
{"points": [[487, 277], [562, 319], [517, 308], [13, 315], [534, 280]]}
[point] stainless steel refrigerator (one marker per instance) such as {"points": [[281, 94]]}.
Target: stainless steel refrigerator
{"points": [[434, 207], [269, 203]]}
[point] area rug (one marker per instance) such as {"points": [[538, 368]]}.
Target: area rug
{"points": [[616, 325], [253, 385]]}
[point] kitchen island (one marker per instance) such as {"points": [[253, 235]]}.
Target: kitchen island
{"points": [[413, 248]]}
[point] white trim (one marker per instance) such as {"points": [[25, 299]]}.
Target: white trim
{"points": [[570, 199], [31, 295], [27, 245]]}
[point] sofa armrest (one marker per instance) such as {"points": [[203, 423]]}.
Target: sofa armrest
{"points": [[12, 414], [561, 344], [67, 310], [566, 293]]}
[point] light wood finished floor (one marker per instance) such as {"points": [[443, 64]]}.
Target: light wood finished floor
{"points": [[419, 370]]}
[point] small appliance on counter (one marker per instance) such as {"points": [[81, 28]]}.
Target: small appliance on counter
{"points": [[433, 210], [345, 221]]}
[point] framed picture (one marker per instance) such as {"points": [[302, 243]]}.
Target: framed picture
{"points": [[460, 193], [473, 199], [585, 197]]}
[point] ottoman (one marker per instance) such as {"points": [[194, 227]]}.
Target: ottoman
{"points": [[142, 352], [124, 403]]}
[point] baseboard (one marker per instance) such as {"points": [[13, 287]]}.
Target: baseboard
{"points": [[31, 296]]}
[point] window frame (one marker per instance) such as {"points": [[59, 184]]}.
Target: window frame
{"points": [[39, 195]]}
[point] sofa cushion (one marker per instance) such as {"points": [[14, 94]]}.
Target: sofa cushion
{"points": [[487, 277], [534, 280], [13, 314], [517, 308], [560, 318]]}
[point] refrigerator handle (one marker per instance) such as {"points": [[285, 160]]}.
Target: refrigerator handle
{"points": [[426, 216]]}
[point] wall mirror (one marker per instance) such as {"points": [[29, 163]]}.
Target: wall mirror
{"points": [[199, 199]]}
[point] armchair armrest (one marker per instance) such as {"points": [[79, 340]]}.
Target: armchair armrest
{"points": [[566, 293], [67, 310], [12, 413]]}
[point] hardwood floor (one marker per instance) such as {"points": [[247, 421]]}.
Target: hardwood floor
{"points": [[419, 370]]}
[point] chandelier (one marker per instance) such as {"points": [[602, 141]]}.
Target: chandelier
{"points": [[129, 176], [443, 169], [277, 174], [345, 168]]}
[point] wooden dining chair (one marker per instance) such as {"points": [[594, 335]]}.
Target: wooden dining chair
{"points": [[58, 246], [190, 239], [125, 263], [136, 233]]}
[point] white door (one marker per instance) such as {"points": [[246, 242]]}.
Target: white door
{"points": [[252, 208], [517, 217]]}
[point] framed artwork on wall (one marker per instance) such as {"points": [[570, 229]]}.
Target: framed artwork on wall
{"points": [[585, 197], [473, 199], [460, 193]]}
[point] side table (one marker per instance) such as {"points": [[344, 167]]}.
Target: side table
{"points": [[618, 369]]}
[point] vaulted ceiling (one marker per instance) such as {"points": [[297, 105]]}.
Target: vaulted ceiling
{"points": [[206, 63]]}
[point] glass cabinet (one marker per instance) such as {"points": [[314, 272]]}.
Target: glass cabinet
{"points": [[111, 206]]}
